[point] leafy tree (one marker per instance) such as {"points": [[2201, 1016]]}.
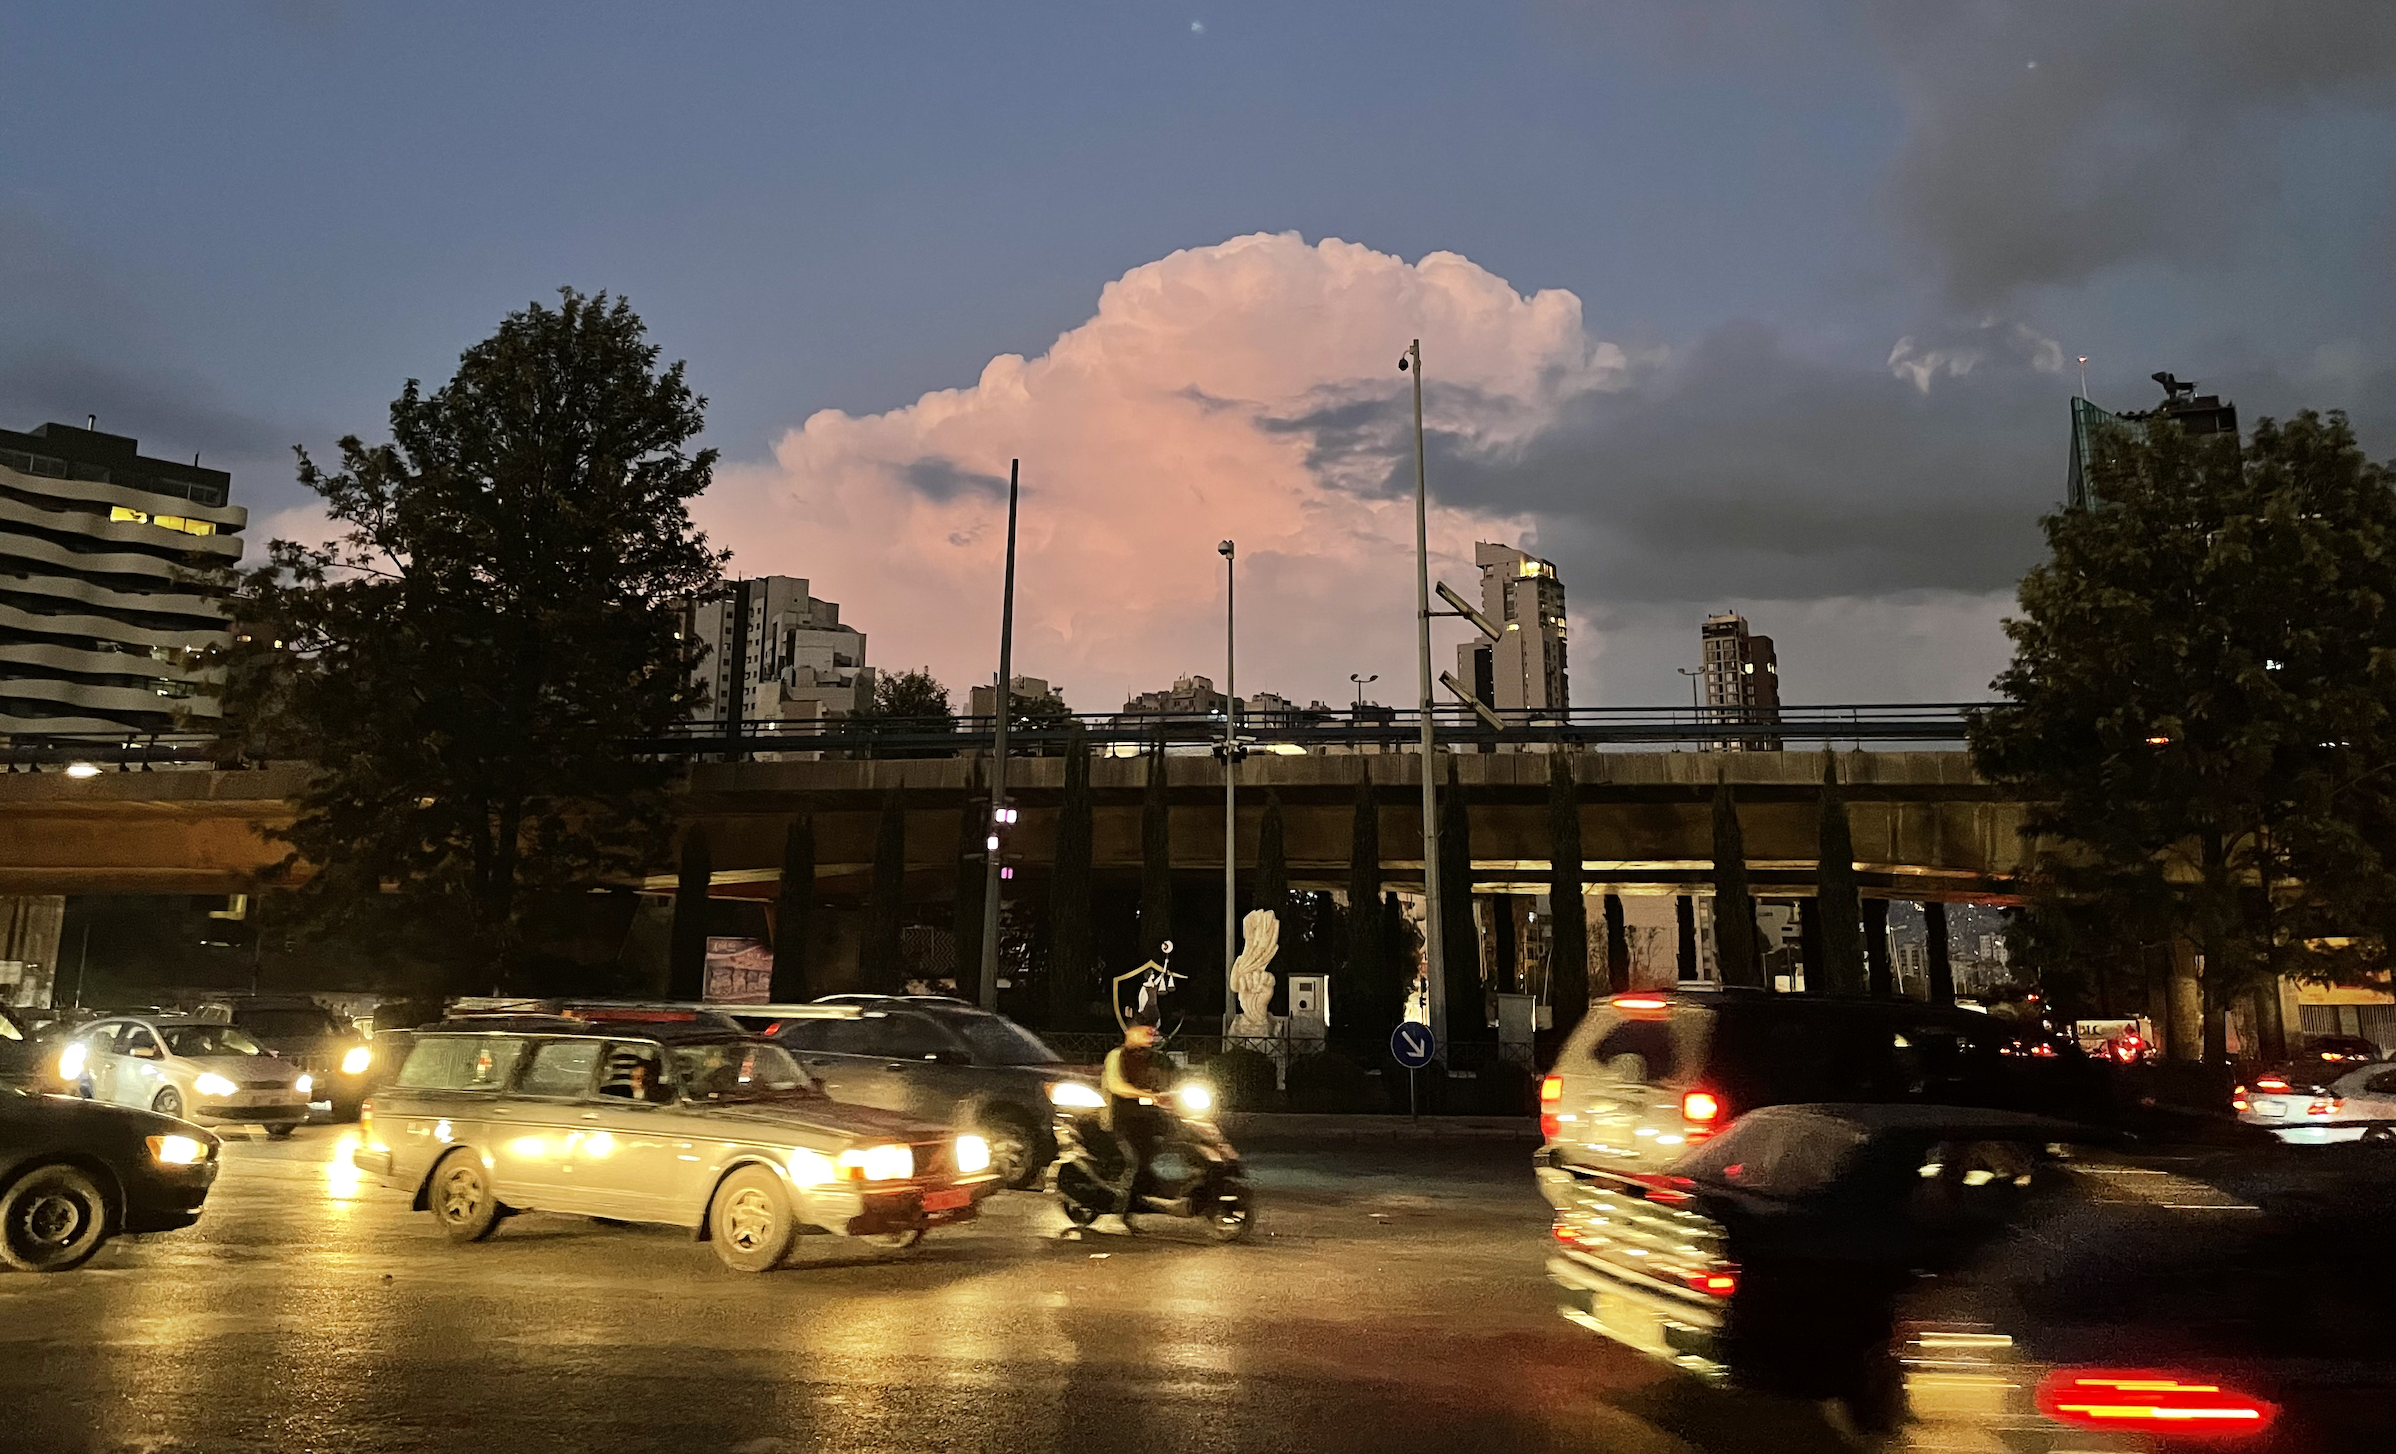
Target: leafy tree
{"points": [[1037, 714], [470, 663], [1156, 858], [794, 912], [1072, 947], [1735, 948], [1835, 898], [886, 900], [2202, 704], [1568, 912], [912, 702], [687, 970]]}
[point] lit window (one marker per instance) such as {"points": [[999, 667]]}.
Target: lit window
{"points": [[119, 512]]}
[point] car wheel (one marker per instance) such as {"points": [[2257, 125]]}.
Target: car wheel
{"points": [[898, 1241], [750, 1221], [462, 1199], [169, 1102], [52, 1220], [280, 1133], [1084, 1197], [1015, 1147]]}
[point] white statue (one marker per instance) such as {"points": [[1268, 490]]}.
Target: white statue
{"points": [[1250, 979]]}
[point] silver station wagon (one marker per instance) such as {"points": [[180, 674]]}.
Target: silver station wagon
{"points": [[690, 1125]]}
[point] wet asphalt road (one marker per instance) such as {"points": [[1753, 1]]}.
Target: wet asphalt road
{"points": [[1392, 1300]]}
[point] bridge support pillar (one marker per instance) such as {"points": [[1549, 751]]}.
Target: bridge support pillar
{"points": [[29, 935]]}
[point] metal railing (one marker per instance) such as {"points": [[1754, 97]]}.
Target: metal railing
{"points": [[1293, 734]]}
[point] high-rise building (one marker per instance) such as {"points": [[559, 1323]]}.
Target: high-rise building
{"points": [[105, 616], [1190, 696], [1742, 678], [775, 654], [982, 701], [1524, 668], [2194, 413]]}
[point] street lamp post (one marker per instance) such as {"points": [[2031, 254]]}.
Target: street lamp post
{"points": [[991, 877], [1231, 778], [1435, 991], [1360, 684]]}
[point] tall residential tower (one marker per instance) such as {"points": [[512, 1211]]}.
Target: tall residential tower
{"points": [[1524, 668], [1742, 678]]}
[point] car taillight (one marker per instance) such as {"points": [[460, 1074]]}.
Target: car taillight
{"points": [[1566, 1235], [1719, 1282], [1700, 1110], [2325, 1106], [1551, 1101], [2159, 1402], [2271, 1083]]}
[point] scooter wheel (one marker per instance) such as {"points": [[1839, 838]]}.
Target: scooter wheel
{"points": [[1084, 1197], [1230, 1219]]}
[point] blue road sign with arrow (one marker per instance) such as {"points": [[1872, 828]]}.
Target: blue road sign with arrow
{"points": [[1411, 1045]]}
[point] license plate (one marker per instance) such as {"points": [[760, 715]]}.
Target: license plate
{"points": [[946, 1201], [2270, 1108]]}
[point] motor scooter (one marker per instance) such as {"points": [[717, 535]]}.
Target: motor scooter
{"points": [[1196, 1172]]}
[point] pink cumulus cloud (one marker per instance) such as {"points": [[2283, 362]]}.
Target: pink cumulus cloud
{"points": [[1163, 424]]}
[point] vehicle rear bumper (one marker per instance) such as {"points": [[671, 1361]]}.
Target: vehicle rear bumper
{"points": [[1667, 1328]]}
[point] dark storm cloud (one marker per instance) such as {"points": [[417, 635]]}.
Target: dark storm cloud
{"points": [[942, 480], [71, 347], [2045, 142]]}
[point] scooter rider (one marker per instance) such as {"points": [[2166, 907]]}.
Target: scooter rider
{"points": [[1137, 1070]]}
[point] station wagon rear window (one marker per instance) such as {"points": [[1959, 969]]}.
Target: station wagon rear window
{"points": [[460, 1062]]}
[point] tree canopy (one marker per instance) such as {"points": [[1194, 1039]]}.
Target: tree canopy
{"points": [[464, 663], [2201, 709]]}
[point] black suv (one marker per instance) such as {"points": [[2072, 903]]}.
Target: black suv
{"points": [[934, 1059], [299, 1029]]}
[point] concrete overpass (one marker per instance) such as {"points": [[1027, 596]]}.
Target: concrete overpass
{"points": [[1924, 825]]}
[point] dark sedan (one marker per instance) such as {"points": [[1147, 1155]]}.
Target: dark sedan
{"points": [[74, 1173]]}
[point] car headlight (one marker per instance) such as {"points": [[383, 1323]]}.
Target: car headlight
{"points": [[70, 1061], [1196, 1097], [304, 1084], [973, 1154], [357, 1060], [176, 1150], [212, 1084], [1076, 1095], [811, 1168], [878, 1163]]}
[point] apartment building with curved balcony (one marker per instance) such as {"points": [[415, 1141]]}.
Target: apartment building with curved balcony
{"points": [[106, 614]]}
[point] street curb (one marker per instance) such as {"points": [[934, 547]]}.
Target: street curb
{"points": [[1276, 1126]]}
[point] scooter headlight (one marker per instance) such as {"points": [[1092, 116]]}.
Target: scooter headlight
{"points": [[356, 1061], [1196, 1097], [71, 1060]]}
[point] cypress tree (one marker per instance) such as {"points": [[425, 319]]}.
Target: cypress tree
{"points": [[1156, 858], [1618, 947], [1568, 913], [1460, 936], [794, 912], [973, 829], [1834, 892], [1367, 980], [883, 973], [1734, 912], [687, 957], [1072, 957]]}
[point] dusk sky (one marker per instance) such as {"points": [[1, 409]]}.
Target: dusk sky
{"points": [[1772, 306]]}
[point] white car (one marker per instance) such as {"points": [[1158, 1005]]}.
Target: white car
{"points": [[2358, 1105], [190, 1068]]}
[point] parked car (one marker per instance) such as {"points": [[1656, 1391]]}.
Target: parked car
{"points": [[2312, 1104], [686, 1124], [198, 1070], [935, 1059], [1984, 1280], [20, 1053], [2337, 1050], [74, 1173], [336, 1057], [1648, 1074]]}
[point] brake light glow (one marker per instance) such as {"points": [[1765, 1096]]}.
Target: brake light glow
{"points": [[1638, 1002], [2325, 1106], [1700, 1108], [2095, 1398], [2271, 1083], [1720, 1282], [1551, 1101]]}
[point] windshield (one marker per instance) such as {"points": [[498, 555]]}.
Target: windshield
{"points": [[997, 1041], [286, 1024], [738, 1071], [208, 1040]]}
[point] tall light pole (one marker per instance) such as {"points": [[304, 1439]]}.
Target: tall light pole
{"points": [[1360, 684], [1435, 991], [1231, 779], [998, 758]]}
